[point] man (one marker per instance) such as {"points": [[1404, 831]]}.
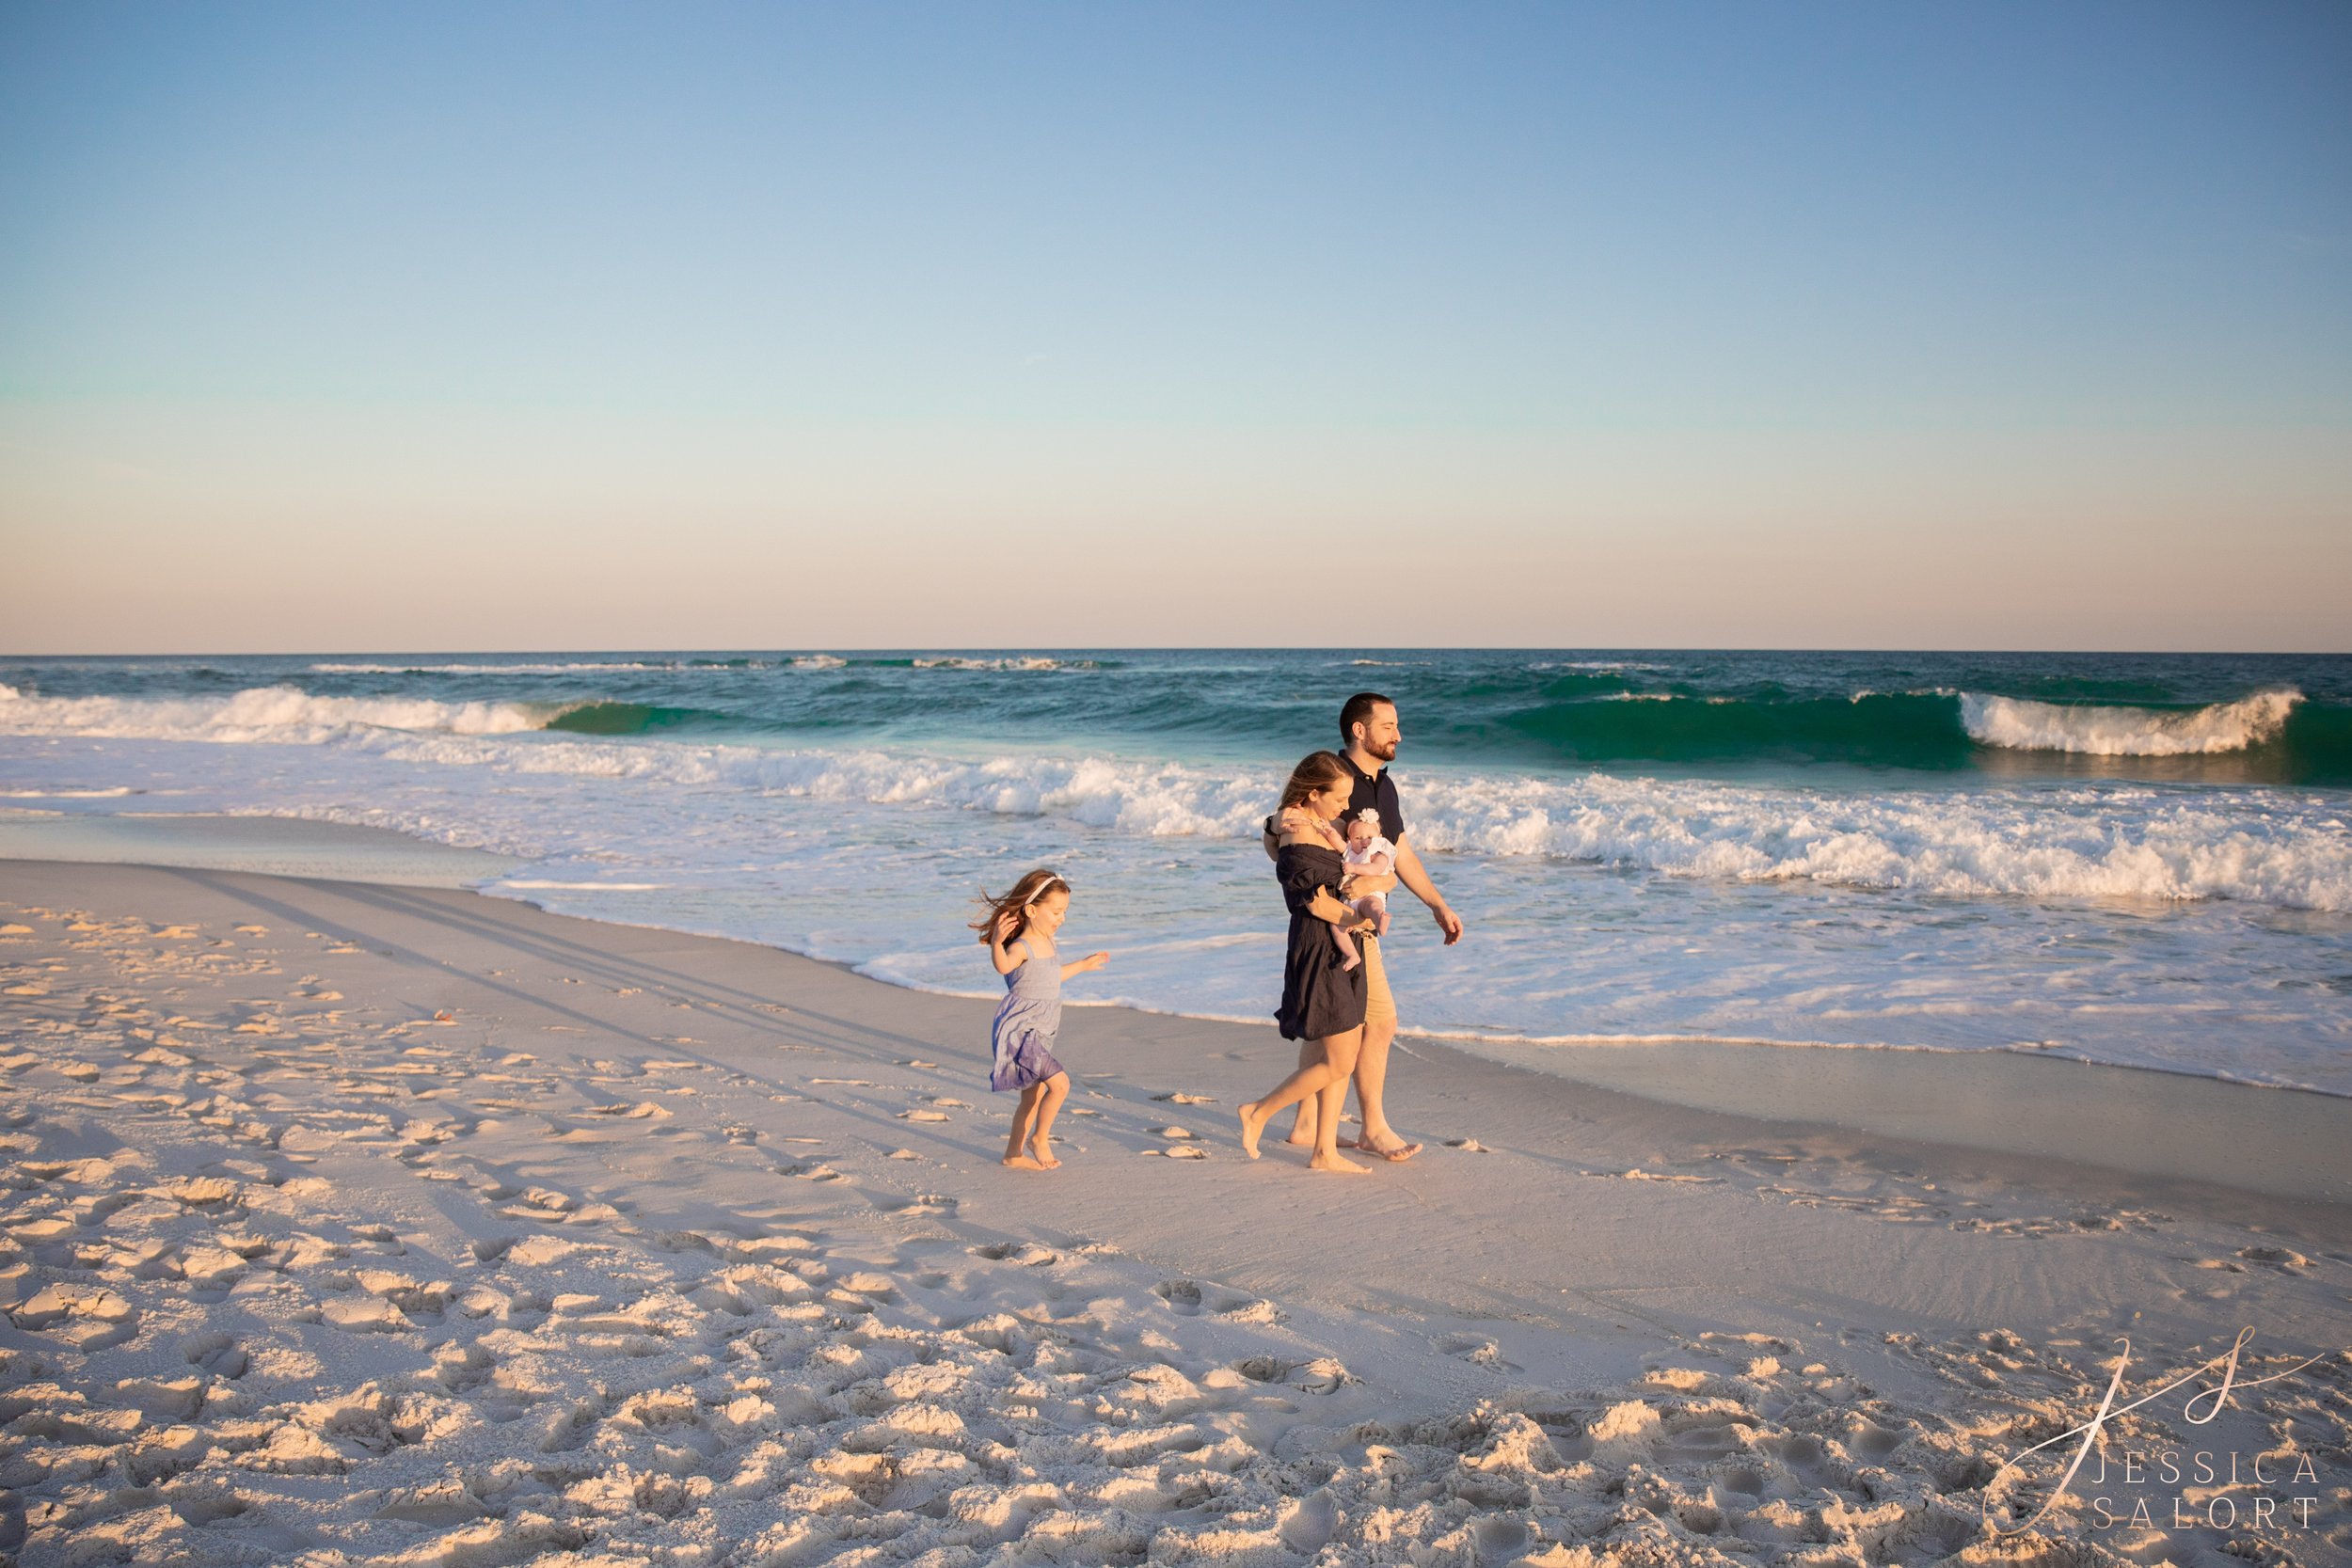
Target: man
{"points": [[1367, 729]]}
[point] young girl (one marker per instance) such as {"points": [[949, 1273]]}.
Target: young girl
{"points": [[1019, 929]]}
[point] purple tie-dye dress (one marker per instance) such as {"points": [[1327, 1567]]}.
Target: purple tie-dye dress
{"points": [[1023, 1035]]}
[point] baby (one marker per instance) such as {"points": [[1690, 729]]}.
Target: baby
{"points": [[1368, 854]]}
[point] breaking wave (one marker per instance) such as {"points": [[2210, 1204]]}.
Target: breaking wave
{"points": [[2019, 724], [2081, 843], [275, 713]]}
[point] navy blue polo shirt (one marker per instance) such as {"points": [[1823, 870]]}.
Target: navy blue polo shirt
{"points": [[1377, 791]]}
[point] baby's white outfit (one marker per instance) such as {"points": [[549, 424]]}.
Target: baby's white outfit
{"points": [[1354, 862]]}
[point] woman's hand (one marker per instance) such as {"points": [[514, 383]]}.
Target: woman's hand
{"points": [[1325, 907]]}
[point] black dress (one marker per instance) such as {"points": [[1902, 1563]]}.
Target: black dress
{"points": [[1319, 998]]}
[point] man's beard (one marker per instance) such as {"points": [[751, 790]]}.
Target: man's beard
{"points": [[1381, 754]]}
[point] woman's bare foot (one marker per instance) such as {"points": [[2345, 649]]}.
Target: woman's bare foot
{"points": [[1021, 1161], [1396, 1152], [1302, 1132], [1337, 1162], [1043, 1147], [1252, 1124]]}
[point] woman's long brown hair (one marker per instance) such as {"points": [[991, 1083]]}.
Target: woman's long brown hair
{"points": [[1314, 771]]}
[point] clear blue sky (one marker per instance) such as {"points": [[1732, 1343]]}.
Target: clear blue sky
{"points": [[509, 326]]}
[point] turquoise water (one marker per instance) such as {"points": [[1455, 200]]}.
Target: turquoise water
{"points": [[2139, 859]]}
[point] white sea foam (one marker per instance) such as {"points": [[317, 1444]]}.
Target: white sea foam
{"points": [[1030, 663], [114, 793], [275, 713], [819, 661], [2018, 724], [2035, 843], [2079, 844]]}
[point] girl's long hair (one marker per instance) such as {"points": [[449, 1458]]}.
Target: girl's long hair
{"points": [[1033, 886], [1315, 770]]}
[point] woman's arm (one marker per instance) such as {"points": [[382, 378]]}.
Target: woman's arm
{"points": [[1325, 908]]}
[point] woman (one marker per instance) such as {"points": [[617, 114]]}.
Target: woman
{"points": [[1321, 1001]]}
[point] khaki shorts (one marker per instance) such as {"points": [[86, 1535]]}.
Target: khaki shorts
{"points": [[1379, 1004]]}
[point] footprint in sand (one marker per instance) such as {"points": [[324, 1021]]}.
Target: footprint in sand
{"points": [[88, 1317], [215, 1352], [1027, 1254], [1182, 1294], [2283, 1259], [922, 1203], [1477, 1351], [1175, 1098]]}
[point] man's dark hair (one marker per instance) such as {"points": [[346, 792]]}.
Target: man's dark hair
{"points": [[1358, 710]]}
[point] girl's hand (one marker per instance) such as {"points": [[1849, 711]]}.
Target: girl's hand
{"points": [[1091, 962], [1008, 925]]}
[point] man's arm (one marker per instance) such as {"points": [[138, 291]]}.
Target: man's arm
{"points": [[1409, 870]]}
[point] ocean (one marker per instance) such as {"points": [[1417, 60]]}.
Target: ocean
{"points": [[2141, 860]]}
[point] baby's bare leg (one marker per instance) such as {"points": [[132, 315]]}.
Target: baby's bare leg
{"points": [[1349, 958]]}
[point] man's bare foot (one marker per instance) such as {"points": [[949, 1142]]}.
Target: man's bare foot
{"points": [[1021, 1161], [1337, 1162], [1252, 1124], [1397, 1150], [1043, 1147]]}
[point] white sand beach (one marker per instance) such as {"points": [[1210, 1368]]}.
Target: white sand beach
{"points": [[357, 1222]]}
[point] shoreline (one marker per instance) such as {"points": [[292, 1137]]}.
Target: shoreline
{"points": [[334, 850], [690, 1244], [1951, 1084]]}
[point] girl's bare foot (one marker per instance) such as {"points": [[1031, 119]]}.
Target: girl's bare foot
{"points": [[1251, 1125], [1021, 1161], [1337, 1162], [1043, 1149]]}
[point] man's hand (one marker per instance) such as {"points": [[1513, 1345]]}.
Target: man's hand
{"points": [[1410, 872], [1448, 922]]}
